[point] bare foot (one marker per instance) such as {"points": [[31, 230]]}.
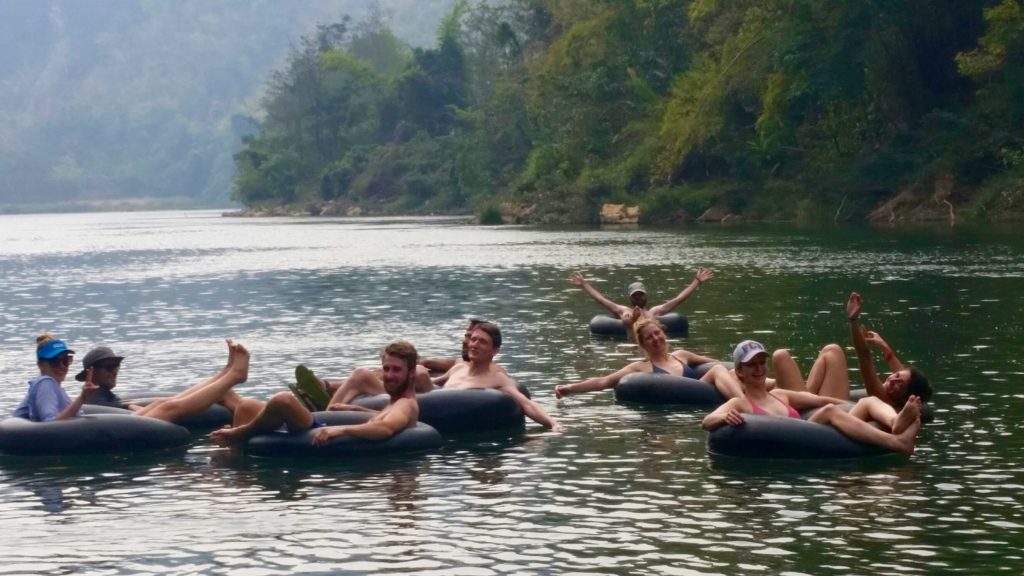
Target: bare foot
{"points": [[911, 411], [228, 437], [239, 364], [908, 438]]}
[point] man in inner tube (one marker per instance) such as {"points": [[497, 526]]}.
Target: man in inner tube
{"points": [[398, 365], [638, 297], [445, 364], [481, 372]]}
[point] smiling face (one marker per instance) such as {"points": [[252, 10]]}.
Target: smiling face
{"points": [[895, 385], [755, 371], [481, 346], [396, 374], [58, 366], [651, 338], [465, 338]]}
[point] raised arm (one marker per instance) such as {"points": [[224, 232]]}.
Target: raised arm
{"points": [[438, 364], [577, 279], [702, 276], [596, 383], [875, 339], [868, 373], [46, 400]]}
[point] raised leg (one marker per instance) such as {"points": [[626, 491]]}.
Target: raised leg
{"points": [[830, 375], [199, 398], [787, 372], [862, 431], [722, 379], [362, 381]]}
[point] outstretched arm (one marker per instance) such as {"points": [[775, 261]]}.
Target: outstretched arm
{"points": [[529, 407], [702, 276], [596, 383], [875, 339], [860, 344], [577, 279]]}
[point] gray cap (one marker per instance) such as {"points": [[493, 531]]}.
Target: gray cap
{"points": [[636, 287], [96, 355]]}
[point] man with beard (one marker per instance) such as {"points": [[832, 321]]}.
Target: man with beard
{"points": [[638, 297], [398, 367]]}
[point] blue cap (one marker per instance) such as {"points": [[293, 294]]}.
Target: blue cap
{"points": [[52, 349]]}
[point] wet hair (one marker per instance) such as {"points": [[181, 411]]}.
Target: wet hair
{"points": [[493, 331], [641, 324], [918, 385], [404, 351]]}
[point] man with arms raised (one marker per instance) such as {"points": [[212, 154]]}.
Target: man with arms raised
{"points": [[481, 372], [638, 296], [398, 365]]}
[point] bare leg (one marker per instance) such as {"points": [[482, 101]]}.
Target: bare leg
{"points": [[362, 381], [722, 379], [197, 399], [246, 410], [787, 372], [830, 375], [422, 379], [873, 408], [282, 409], [862, 431]]}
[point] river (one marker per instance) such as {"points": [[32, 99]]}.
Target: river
{"points": [[624, 490]]}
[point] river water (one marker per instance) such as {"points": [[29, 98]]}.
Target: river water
{"points": [[624, 490]]}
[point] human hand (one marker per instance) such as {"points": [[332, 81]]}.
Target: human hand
{"points": [[733, 418], [854, 306], [340, 406], [577, 279], [324, 435], [630, 317], [556, 426], [561, 391], [703, 275], [875, 339], [89, 387]]}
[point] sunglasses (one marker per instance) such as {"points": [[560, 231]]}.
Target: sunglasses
{"points": [[63, 360], [107, 365]]}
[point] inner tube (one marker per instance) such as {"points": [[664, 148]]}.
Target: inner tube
{"points": [[455, 411], [93, 434], [643, 388], [415, 438], [216, 416], [605, 325], [774, 437]]}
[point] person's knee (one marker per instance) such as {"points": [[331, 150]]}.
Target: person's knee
{"points": [[781, 355], [826, 413], [831, 350]]}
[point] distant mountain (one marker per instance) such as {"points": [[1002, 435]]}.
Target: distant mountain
{"points": [[109, 99]]}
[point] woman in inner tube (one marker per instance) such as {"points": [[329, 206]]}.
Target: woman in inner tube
{"points": [[650, 335], [830, 376], [751, 366], [46, 400]]}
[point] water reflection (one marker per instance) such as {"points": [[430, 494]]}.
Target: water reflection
{"points": [[624, 490]]}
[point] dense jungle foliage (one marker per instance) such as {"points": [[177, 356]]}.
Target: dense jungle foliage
{"points": [[815, 109]]}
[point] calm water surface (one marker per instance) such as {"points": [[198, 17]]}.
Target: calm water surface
{"points": [[623, 491]]}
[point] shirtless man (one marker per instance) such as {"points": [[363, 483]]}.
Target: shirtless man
{"points": [[398, 365], [481, 372], [446, 364], [638, 295]]}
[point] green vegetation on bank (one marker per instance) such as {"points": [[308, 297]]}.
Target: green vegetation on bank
{"points": [[809, 109]]}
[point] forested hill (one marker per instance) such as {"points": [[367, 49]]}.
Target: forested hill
{"points": [[114, 99], [812, 109]]}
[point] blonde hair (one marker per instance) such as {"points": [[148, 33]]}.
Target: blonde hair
{"points": [[43, 338], [643, 323]]}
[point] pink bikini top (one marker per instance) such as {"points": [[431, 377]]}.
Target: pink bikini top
{"points": [[790, 411]]}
